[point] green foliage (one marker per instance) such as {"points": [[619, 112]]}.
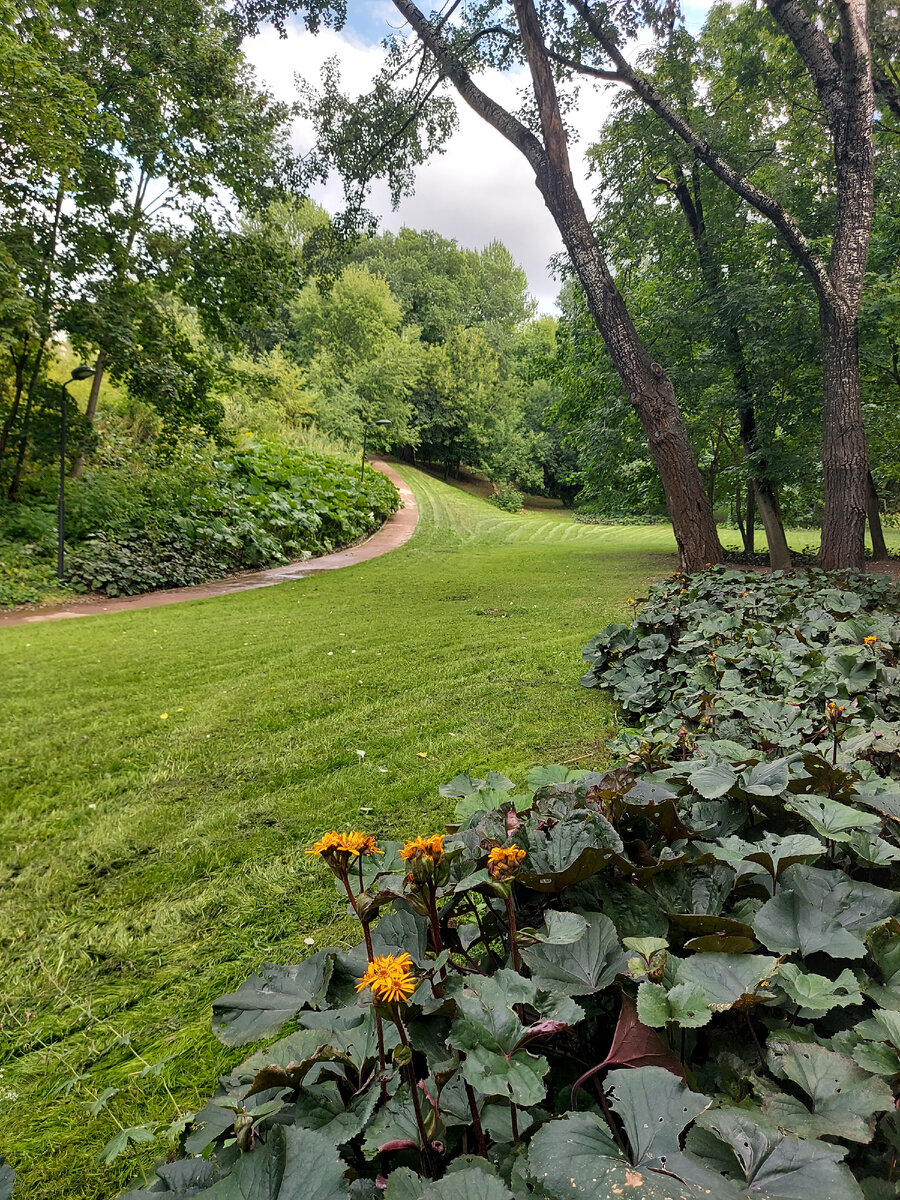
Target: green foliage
{"points": [[262, 504], [508, 497], [770, 968]]}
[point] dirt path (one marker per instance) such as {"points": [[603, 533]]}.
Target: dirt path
{"points": [[396, 530]]}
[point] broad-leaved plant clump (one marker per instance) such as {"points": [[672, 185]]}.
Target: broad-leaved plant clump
{"points": [[676, 978], [265, 503]]}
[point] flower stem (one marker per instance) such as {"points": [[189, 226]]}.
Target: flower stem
{"points": [[476, 1121], [514, 949], [370, 955], [414, 1090]]}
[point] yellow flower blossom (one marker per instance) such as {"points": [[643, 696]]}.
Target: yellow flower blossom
{"points": [[431, 847], [338, 849], [870, 640], [390, 978], [503, 862]]}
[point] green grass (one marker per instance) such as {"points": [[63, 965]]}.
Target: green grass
{"points": [[150, 864]]}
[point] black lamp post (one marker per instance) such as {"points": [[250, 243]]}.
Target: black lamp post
{"points": [[362, 466], [78, 374]]}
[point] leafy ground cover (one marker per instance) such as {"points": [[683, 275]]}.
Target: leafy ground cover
{"points": [[719, 916], [151, 863], [133, 527]]}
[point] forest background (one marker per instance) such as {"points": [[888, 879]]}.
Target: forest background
{"points": [[153, 224]]}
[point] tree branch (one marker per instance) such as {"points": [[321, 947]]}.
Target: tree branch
{"points": [[755, 196]]}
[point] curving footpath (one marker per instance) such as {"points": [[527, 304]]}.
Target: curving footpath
{"points": [[396, 530]]}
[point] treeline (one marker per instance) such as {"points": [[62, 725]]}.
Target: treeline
{"points": [[150, 222], [790, 108]]}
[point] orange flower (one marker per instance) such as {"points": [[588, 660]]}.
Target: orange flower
{"points": [[338, 849], [390, 977], [503, 862], [430, 847], [870, 640]]}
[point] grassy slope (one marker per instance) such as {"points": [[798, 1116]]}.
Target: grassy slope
{"points": [[150, 864]]}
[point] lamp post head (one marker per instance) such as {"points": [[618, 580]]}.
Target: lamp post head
{"points": [[383, 421], [82, 373]]}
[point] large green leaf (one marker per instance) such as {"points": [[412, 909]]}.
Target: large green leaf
{"points": [[767, 778], [831, 819], [588, 965], [268, 999], [685, 1005], [857, 906], [713, 780], [789, 924], [729, 979], [490, 1033], [772, 1165], [577, 1156], [842, 1098], [294, 1162], [814, 993]]}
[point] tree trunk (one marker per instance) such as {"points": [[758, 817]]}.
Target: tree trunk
{"points": [[14, 407], [750, 521], [845, 460], [691, 203], [648, 388], [873, 513], [91, 411]]}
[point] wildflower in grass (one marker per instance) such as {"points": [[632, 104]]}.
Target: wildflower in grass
{"points": [[390, 978], [504, 861], [630, 600], [870, 640]]}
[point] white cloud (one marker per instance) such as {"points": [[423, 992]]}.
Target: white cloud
{"points": [[479, 190]]}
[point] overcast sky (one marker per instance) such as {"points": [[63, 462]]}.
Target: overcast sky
{"points": [[480, 189]]}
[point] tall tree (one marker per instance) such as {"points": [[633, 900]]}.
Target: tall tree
{"points": [[399, 121], [832, 42]]}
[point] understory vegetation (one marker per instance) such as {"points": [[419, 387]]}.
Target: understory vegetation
{"points": [[138, 526], [679, 975]]}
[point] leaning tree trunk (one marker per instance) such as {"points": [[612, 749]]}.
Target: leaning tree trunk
{"points": [[646, 384], [845, 461], [649, 389], [873, 513], [90, 412]]}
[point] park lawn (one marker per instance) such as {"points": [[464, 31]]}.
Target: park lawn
{"points": [[149, 863]]}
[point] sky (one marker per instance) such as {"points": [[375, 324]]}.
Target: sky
{"points": [[480, 189]]}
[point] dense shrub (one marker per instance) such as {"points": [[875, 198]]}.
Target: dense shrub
{"points": [[261, 504], [508, 497]]}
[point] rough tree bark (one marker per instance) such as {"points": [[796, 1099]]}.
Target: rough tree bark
{"points": [[842, 76], [649, 389]]}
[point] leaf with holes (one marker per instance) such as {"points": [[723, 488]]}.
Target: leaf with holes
{"points": [[842, 1099]]}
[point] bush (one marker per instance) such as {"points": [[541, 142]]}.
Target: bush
{"points": [[508, 497], [261, 504]]}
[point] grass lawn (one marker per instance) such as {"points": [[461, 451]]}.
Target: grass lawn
{"points": [[150, 863]]}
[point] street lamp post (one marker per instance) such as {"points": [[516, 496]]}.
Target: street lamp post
{"points": [[362, 465], [78, 374]]}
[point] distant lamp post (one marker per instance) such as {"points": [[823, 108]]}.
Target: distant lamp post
{"points": [[362, 467], [77, 375]]}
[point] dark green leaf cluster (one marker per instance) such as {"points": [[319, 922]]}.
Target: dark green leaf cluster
{"points": [[756, 658], [263, 504], [690, 987]]}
